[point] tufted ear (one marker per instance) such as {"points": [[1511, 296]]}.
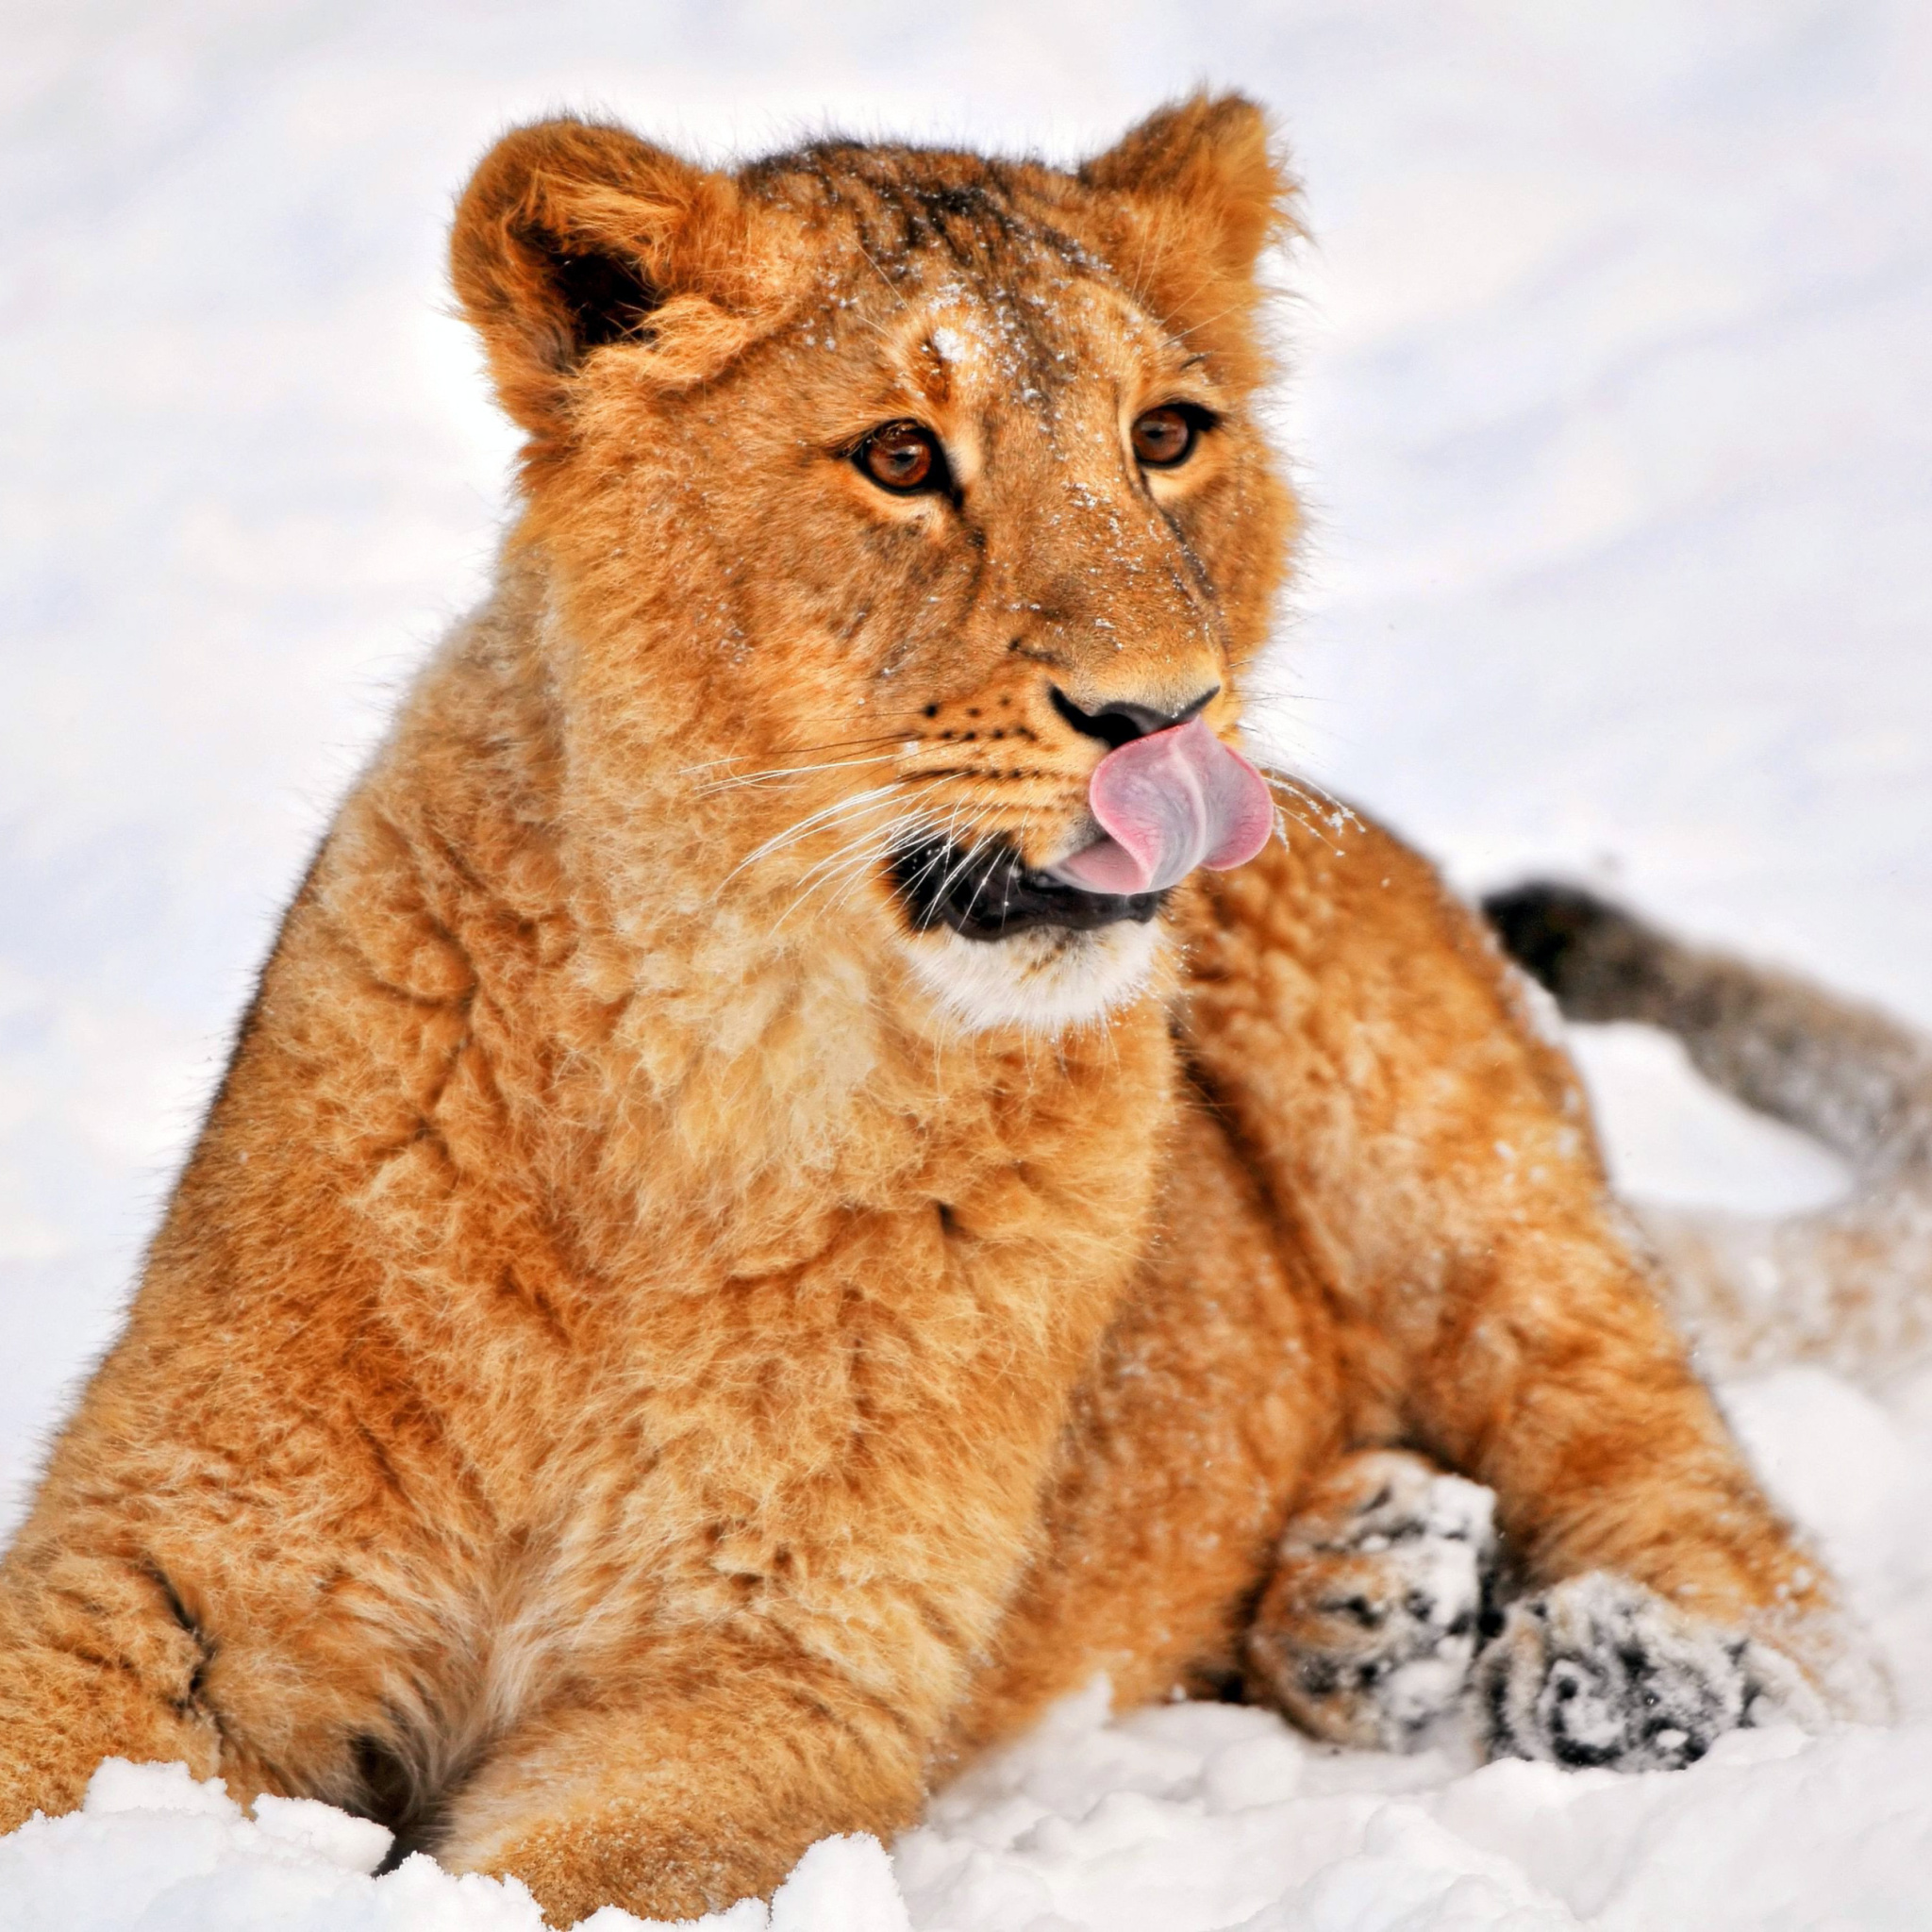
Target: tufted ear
{"points": [[571, 236], [1208, 160]]}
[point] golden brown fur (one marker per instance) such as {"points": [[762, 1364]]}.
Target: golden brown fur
{"points": [[652, 1357]]}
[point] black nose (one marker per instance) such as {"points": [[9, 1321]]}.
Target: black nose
{"points": [[1120, 724]]}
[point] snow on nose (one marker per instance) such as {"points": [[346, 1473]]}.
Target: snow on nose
{"points": [[1167, 803]]}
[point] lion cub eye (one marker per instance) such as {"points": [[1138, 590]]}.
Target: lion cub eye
{"points": [[902, 457], [1165, 438]]}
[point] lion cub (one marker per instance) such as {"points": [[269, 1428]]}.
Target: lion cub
{"points": [[805, 1174]]}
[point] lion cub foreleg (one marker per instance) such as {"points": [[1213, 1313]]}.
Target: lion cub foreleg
{"points": [[97, 1661], [679, 1794], [1376, 1059]]}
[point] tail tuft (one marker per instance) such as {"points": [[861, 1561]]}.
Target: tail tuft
{"points": [[1599, 961]]}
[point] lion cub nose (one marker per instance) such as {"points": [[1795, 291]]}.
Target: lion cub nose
{"points": [[1122, 721]]}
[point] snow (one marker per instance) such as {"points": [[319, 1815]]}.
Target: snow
{"points": [[1612, 391], [154, 1850]]}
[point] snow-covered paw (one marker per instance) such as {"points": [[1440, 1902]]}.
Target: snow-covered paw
{"points": [[1369, 1627], [1600, 1671]]}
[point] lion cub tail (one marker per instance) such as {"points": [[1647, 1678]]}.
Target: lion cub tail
{"points": [[1848, 1286]]}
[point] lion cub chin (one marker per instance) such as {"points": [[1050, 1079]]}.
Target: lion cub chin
{"points": [[1040, 981]]}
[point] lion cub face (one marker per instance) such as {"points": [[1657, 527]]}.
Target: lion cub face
{"points": [[890, 492]]}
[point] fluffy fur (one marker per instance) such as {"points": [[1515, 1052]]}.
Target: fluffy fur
{"points": [[654, 1357]]}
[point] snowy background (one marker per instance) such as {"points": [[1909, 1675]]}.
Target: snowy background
{"points": [[1611, 385]]}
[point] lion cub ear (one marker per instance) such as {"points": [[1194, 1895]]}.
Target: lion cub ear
{"points": [[1208, 166], [572, 236]]}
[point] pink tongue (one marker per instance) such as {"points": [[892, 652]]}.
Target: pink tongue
{"points": [[1167, 804]]}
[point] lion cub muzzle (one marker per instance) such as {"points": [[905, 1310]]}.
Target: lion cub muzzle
{"points": [[1169, 796]]}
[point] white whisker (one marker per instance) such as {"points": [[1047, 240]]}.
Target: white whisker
{"points": [[812, 822], [778, 772]]}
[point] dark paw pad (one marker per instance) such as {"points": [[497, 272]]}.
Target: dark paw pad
{"points": [[1368, 1631], [1599, 1670]]}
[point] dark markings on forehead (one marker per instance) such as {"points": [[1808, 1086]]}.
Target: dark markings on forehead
{"points": [[910, 204], [926, 189]]}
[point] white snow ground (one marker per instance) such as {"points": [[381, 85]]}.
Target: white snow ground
{"points": [[1613, 390]]}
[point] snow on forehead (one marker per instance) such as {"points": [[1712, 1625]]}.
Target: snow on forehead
{"points": [[953, 347], [991, 331]]}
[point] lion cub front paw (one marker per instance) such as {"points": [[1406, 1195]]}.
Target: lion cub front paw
{"points": [[1368, 1630], [1599, 1670]]}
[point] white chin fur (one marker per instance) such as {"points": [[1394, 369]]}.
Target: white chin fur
{"points": [[1044, 981]]}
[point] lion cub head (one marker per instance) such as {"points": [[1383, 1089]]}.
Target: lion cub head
{"points": [[905, 526]]}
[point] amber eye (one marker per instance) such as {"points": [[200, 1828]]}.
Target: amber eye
{"points": [[1165, 437], [902, 457]]}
